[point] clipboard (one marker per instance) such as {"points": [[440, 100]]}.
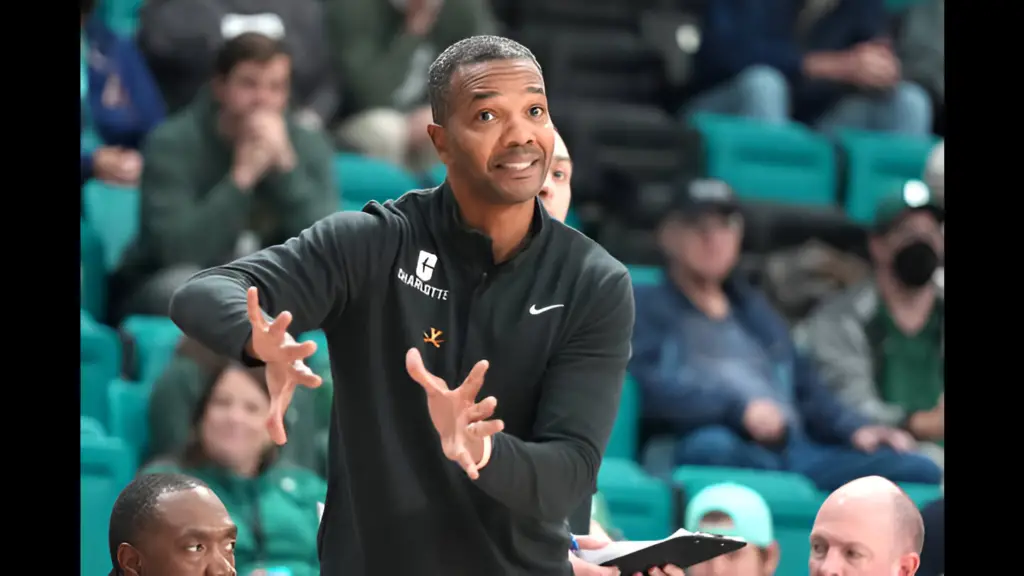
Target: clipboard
{"points": [[683, 549]]}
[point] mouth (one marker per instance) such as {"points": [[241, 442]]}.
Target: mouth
{"points": [[517, 167]]}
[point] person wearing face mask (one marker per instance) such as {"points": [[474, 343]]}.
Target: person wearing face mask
{"points": [[880, 344]]}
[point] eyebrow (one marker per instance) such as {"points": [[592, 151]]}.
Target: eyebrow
{"points": [[200, 534], [563, 159], [485, 94]]}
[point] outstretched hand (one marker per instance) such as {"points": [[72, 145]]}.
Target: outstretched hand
{"points": [[284, 357], [460, 421]]}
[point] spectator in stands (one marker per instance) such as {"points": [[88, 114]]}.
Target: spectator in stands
{"points": [[193, 369], [383, 49], [921, 46], [180, 39], [120, 103], [879, 344], [557, 191], [718, 368], [737, 511], [274, 503], [225, 177], [827, 64], [171, 524], [867, 527], [933, 555]]}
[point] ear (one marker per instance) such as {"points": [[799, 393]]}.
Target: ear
{"points": [[129, 559], [770, 558], [909, 563], [440, 140]]}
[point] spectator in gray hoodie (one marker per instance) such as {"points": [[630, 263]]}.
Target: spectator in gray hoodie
{"points": [[179, 39]]}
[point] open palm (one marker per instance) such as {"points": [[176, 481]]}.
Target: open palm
{"points": [[285, 360], [459, 419]]}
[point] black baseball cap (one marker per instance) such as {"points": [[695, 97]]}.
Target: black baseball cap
{"points": [[910, 196], [696, 196]]}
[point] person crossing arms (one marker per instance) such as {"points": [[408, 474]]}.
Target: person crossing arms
{"points": [[472, 283]]}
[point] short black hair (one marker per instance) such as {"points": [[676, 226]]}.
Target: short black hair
{"points": [[247, 47], [472, 50], [135, 507]]}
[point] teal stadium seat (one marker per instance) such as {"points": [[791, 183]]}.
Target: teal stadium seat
{"points": [[105, 470], [782, 163], [878, 163], [572, 220], [321, 344], [92, 427], [645, 275], [898, 6], [623, 441], [362, 179], [155, 339], [352, 205], [113, 212], [94, 273], [641, 506], [922, 494], [100, 352], [792, 498], [121, 16], [128, 407], [436, 175]]}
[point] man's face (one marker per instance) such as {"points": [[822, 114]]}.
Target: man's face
{"points": [[556, 194], [193, 535], [253, 86], [747, 561], [912, 226], [498, 136], [851, 538], [706, 244]]}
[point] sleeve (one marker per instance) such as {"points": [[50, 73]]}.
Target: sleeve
{"points": [[729, 47], [313, 276], [307, 193], [838, 345], [178, 222], [872, 21], [922, 46], [372, 70], [672, 393], [826, 418], [148, 103], [550, 475]]}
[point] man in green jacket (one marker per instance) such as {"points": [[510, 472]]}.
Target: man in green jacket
{"points": [[880, 344], [225, 177], [382, 50]]}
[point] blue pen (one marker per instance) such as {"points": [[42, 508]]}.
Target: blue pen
{"points": [[574, 546]]}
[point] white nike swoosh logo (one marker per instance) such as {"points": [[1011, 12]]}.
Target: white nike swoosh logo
{"points": [[534, 310]]}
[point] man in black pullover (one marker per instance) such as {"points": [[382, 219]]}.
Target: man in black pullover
{"points": [[471, 278]]}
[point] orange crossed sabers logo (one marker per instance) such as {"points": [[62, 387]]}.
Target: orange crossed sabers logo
{"points": [[434, 338]]}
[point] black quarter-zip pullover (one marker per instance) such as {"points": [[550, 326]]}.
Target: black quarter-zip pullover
{"points": [[554, 321]]}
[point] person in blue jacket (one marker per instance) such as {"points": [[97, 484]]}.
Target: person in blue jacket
{"points": [[827, 63], [718, 369], [120, 103]]}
